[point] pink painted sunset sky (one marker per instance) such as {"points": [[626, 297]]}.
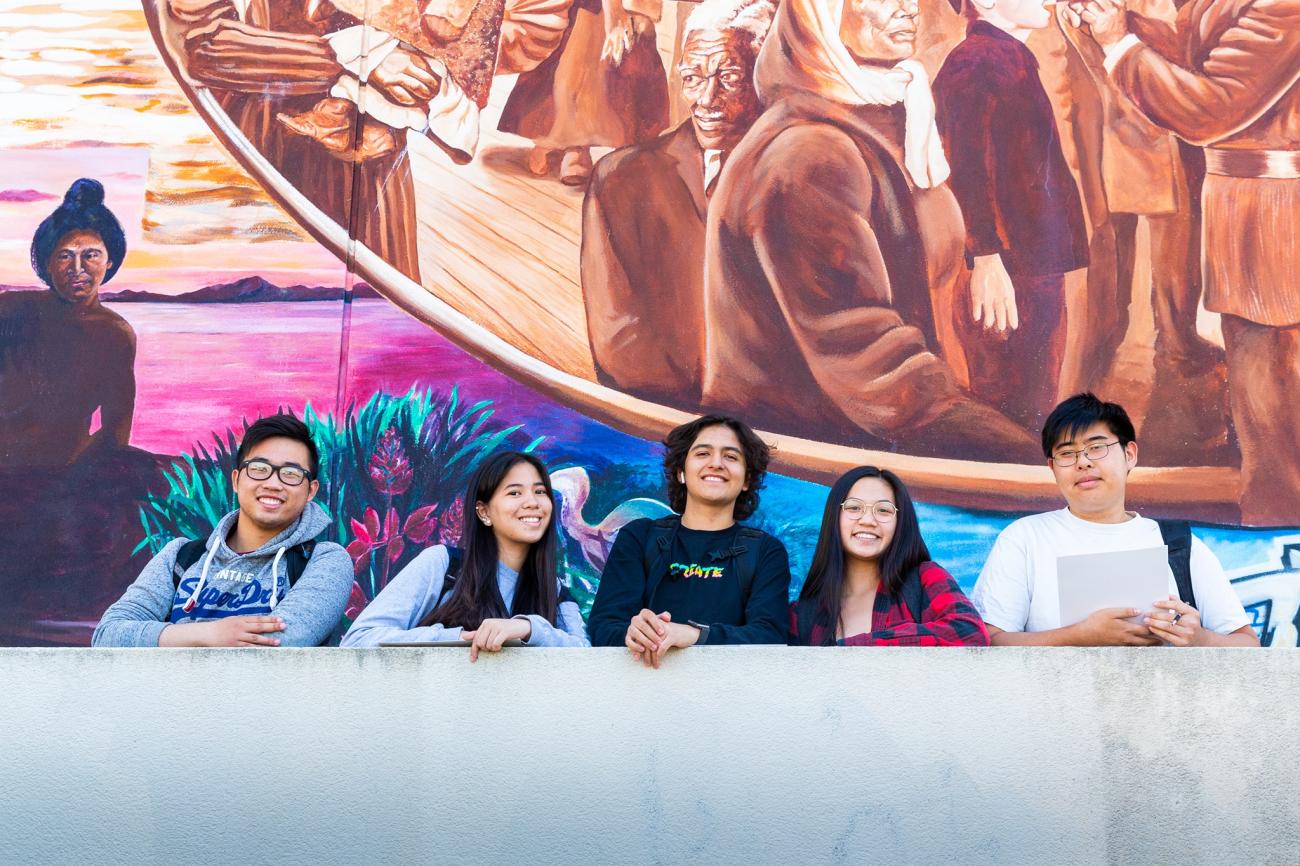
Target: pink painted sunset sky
{"points": [[83, 93]]}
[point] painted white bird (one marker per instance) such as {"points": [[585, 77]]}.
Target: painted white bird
{"points": [[574, 486]]}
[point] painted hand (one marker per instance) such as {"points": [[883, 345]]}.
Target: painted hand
{"points": [[993, 296], [1106, 20], [404, 77]]}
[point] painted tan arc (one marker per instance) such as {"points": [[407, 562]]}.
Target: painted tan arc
{"points": [[499, 254]]}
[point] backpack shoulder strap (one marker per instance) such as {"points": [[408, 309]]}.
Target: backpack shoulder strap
{"points": [[752, 541], [295, 560], [1177, 535], [190, 553], [914, 593], [657, 543], [455, 558]]}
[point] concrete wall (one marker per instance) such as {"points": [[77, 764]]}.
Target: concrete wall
{"points": [[726, 755]]}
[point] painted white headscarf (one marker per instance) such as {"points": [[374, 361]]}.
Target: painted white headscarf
{"points": [[804, 52]]}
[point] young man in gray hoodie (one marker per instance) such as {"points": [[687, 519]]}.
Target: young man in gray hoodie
{"points": [[261, 579]]}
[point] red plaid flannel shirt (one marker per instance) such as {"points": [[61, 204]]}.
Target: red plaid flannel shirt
{"points": [[947, 618]]}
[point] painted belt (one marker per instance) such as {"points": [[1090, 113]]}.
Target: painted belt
{"points": [[1279, 164]]}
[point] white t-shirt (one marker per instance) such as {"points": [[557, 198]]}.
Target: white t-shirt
{"points": [[1017, 589]]}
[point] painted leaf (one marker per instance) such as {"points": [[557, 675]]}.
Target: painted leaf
{"points": [[420, 524], [395, 549], [362, 533]]}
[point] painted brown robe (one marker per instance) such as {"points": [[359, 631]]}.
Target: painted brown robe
{"points": [[1227, 76], [643, 225], [819, 261]]}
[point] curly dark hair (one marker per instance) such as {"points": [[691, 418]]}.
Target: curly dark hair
{"points": [[678, 442]]}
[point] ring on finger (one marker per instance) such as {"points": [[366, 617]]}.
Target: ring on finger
{"points": [[1177, 617]]}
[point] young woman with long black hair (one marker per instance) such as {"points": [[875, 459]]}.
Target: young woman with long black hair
{"points": [[505, 586], [871, 582]]}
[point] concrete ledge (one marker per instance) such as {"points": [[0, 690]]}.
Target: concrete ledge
{"points": [[726, 755]]}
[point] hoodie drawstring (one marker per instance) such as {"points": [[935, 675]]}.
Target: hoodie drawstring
{"points": [[275, 577], [207, 563]]}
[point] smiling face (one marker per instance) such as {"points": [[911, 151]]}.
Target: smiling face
{"points": [[519, 511], [717, 72], [270, 505], [77, 267], [1094, 489], [866, 537], [714, 472], [879, 31]]}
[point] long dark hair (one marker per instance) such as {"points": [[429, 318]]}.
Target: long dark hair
{"points": [[825, 583], [475, 595]]}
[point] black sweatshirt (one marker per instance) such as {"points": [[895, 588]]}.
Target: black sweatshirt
{"points": [[698, 581]]}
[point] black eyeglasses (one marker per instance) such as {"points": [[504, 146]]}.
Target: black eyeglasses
{"points": [[291, 474]]}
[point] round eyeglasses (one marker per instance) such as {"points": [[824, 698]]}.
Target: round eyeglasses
{"points": [[884, 510], [290, 474], [1094, 452]]}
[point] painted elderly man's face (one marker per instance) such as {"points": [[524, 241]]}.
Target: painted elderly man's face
{"points": [[879, 31], [717, 72]]}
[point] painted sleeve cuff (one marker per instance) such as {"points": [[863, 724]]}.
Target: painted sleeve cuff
{"points": [[1115, 53], [361, 48]]}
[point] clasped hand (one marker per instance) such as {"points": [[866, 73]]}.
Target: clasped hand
{"points": [[650, 635]]}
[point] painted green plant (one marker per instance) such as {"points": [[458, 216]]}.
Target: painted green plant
{"points": [[392, 472]]}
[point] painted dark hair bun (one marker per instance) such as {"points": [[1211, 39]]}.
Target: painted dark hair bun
{"points": [[83, 209], [84, 193]]}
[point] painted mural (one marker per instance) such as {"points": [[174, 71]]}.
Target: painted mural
{"points": [[436, 228]]}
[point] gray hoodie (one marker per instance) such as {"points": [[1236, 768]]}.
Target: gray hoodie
{"points": [[225, 583]]}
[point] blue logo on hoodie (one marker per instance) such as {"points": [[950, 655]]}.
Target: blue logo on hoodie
{"points": [[249, 599]]}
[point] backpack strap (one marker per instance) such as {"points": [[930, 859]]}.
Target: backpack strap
{"points": [[455, 558], [751, 540], [295, 560], [191, 552], [1177, 535], [657, 550]]}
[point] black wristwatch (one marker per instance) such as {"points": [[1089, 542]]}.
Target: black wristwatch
{"points": [[704, 631]]}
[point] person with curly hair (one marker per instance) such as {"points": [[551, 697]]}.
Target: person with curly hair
{"points": [[698, 576]]}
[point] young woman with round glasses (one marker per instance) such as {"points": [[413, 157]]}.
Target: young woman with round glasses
{"points": [[872, 582]]}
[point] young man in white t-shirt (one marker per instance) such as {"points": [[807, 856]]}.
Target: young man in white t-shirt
{"points": [[1090, 447]]}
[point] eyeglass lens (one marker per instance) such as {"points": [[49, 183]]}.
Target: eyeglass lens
{"points": [[259, 471], [881, 510]]}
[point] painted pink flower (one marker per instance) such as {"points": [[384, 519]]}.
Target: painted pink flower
{"points": [[388, 468], [449, 523]]}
